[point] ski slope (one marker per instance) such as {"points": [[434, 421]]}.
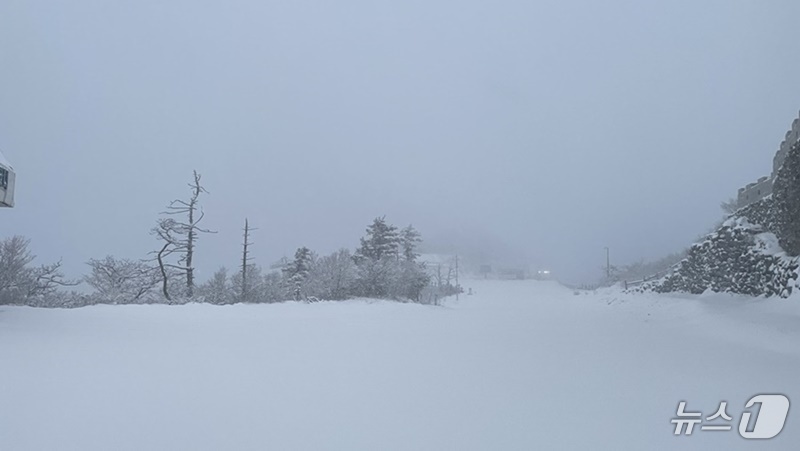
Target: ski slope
{"points": [[520, 365]]}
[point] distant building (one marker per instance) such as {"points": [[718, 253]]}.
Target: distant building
{"points": [[512, 272], [763, 187], [7, 179]]}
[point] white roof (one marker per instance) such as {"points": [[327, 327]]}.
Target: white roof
{"points": [[4, 162]]}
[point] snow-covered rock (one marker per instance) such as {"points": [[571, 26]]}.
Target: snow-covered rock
{"points": [[743, 256]]}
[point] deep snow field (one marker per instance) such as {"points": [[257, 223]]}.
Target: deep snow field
{"points": [[520, 365]]}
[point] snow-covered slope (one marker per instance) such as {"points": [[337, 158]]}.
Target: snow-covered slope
{"points": [[520, 365], [743, 256]]}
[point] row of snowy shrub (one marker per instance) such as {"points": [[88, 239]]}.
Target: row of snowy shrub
{"points": [[385, 265]]}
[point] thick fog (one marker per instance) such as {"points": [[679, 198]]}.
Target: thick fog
{"points": [[540, 132]]}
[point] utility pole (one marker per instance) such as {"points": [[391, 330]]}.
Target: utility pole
{"points": [[608, 264]]}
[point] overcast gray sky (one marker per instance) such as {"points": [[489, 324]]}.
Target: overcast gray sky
{"points": [[557, 128]]}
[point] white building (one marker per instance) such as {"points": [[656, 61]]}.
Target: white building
{"points": [[7, 179]]}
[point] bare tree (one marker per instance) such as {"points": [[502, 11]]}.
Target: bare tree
{"points": [[46, 279], [18, 280], [121, 280], [245, 287], [14, 261], [437, 283], [162, 267], [179, 237], [441, 278]]}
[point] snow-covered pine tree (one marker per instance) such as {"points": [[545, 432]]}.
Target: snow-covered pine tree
{"points": [[410, 280], [380, 241], [409, 240], [297, 271], [378, 259], [412, 277]]}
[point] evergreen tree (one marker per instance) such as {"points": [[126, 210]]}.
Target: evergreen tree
{"points": [[248, 287], [386, 263], [410, 280], [381, 241], [409, 239], [377, 259], [297, 271], [413, 277]]}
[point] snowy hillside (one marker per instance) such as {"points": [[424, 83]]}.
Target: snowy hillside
{"points": [[520, 365], [756, 251], [739, 257]]}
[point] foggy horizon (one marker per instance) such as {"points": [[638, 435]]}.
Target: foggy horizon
{"points": [[545, 131]]}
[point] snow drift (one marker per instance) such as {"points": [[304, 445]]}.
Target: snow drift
{"points": [[520, 365]]}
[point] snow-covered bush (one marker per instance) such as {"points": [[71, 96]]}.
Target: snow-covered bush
{"points": [[261, 288], [384, 266], [22, 283], [218, 289], [332, 277], [386, 263], [122, 281]]}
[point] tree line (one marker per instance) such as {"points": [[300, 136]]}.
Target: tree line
{"points": [[385, 265]]}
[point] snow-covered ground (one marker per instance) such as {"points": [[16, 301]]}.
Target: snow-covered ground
{"points": [[520, 365]]}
